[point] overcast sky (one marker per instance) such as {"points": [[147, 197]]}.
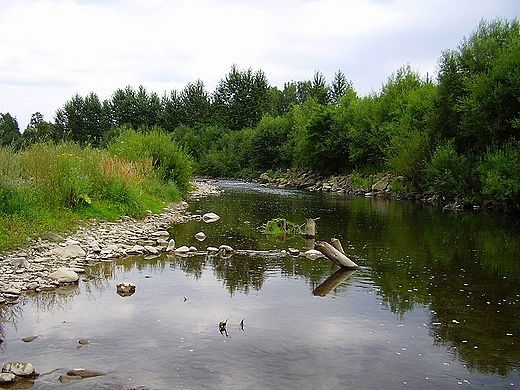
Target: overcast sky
{"points": [[51, 50]]}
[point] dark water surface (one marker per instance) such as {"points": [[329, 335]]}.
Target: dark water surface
{"points": [[436, 304]]}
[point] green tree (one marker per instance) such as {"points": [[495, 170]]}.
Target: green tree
{"points": [[319, 89], [339, 86], [477, 101], [38, 130], [9, 130], [268, 143], [136, 108], [81, 119], [241, 98]]}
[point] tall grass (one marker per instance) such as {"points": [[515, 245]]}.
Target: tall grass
{"points": [[52, 186]]}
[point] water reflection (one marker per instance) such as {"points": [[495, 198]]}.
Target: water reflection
{"points": [[435, 288]]}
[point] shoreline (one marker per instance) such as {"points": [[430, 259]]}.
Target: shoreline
{"points": [[51, 261]]}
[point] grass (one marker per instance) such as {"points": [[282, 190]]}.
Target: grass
{"points": [[55, 187]]}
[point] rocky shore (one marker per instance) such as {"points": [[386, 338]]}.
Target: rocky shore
{"points": [[378, 185], [50, 260]]}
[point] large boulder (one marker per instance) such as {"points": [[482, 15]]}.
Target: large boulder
{"points": [[69, 251]]}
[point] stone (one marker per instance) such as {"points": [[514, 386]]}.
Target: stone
{"points": [[171, 246], [125, 289], [225, 248], [28, 339], [182, 249], [200, 236], [313, 254], [136, 249], [150, 249], [69, 251], [294, 251], [7, 377], [382, 184], [210, 217], [19, 262], [64, 275], [19, 368]]}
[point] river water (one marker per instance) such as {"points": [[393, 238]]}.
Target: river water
{"points": [[435, 304]]}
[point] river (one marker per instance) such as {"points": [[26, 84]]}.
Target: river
{"points": [[435, 304]]}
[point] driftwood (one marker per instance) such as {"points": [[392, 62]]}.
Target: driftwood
{"points": [[333, 281], [337, 244], [334, 255]]}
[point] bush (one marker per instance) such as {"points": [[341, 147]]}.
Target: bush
{"points": [[500, 174], [449, 173], [407, 154], [170, 161]]}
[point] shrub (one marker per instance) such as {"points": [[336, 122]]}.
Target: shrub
{"points": [[449, 173], [500, 174], [170, 161]]}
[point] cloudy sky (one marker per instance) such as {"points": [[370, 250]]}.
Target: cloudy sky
{"points": [[53, 49]]}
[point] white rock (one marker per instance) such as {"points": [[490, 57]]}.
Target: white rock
{"points": [[18, 368], [6, 377], [171, 246], [69, 251], [151, 249], [64, 275], [313, 254], [200, 236], [225, 248], [210, 217], [182, 249]]}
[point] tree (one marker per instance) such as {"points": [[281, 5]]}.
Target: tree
{"points": [[479, 86], [82, 119], [339, 86], [9, 130], [195, 104], [241, 98], [319, 89], [38, 130], [136, 108]]}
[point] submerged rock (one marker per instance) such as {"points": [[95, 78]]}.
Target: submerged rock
{"points": [[19, 369]]}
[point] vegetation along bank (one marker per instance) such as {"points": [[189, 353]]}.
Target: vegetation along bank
{"points": [[453, 136]]}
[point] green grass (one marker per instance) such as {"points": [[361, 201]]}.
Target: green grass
{"points": [[55, 187]]}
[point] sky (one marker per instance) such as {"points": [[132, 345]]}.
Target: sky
{"points": [[52, 49]]}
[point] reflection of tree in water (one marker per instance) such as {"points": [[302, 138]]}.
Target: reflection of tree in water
{"points": [[60, 299], [10, 314], [477, 316]]}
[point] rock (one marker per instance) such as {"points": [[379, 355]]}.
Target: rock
{"points": [[193, 249], [182, 249], [19, 262], [64, 275], [69, 251], [313, 254], [49, 236], [171, 246], [136, 249], [150, 249], [200, 236], [28, 339], [161, 233], [19, 368], [225, 248], [125, 289], [210, 217], [211, 250], [80, 373], [83, 341], [294, 251], [7, 377], [382, 184]]}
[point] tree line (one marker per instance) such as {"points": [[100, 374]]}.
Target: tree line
{"points": [[455, 135]]}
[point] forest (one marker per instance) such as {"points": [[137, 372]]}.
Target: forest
{"points": [[455, 134]]}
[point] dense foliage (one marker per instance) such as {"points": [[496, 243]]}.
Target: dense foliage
{"points": [[456, 135]]}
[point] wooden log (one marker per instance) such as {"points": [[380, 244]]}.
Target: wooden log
{"points": [[334, 255], [333, 281], [310, 228], [337, 244]]}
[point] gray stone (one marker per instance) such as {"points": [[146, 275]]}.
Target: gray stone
{"points": [[64, 275], [69, 251], [7, 377], [200, 236], [171, 246], [210, 217], [382, 184]]}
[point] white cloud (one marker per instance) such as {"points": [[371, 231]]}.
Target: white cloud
{"points": [[52, 49]]}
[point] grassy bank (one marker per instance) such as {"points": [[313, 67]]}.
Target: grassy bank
{"points": [[53, 187]]}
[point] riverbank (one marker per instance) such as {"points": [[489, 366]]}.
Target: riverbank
{"points": [[377, 185], [50, 261]]}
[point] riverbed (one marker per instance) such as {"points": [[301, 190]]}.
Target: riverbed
{"points": [[435, 303]]}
